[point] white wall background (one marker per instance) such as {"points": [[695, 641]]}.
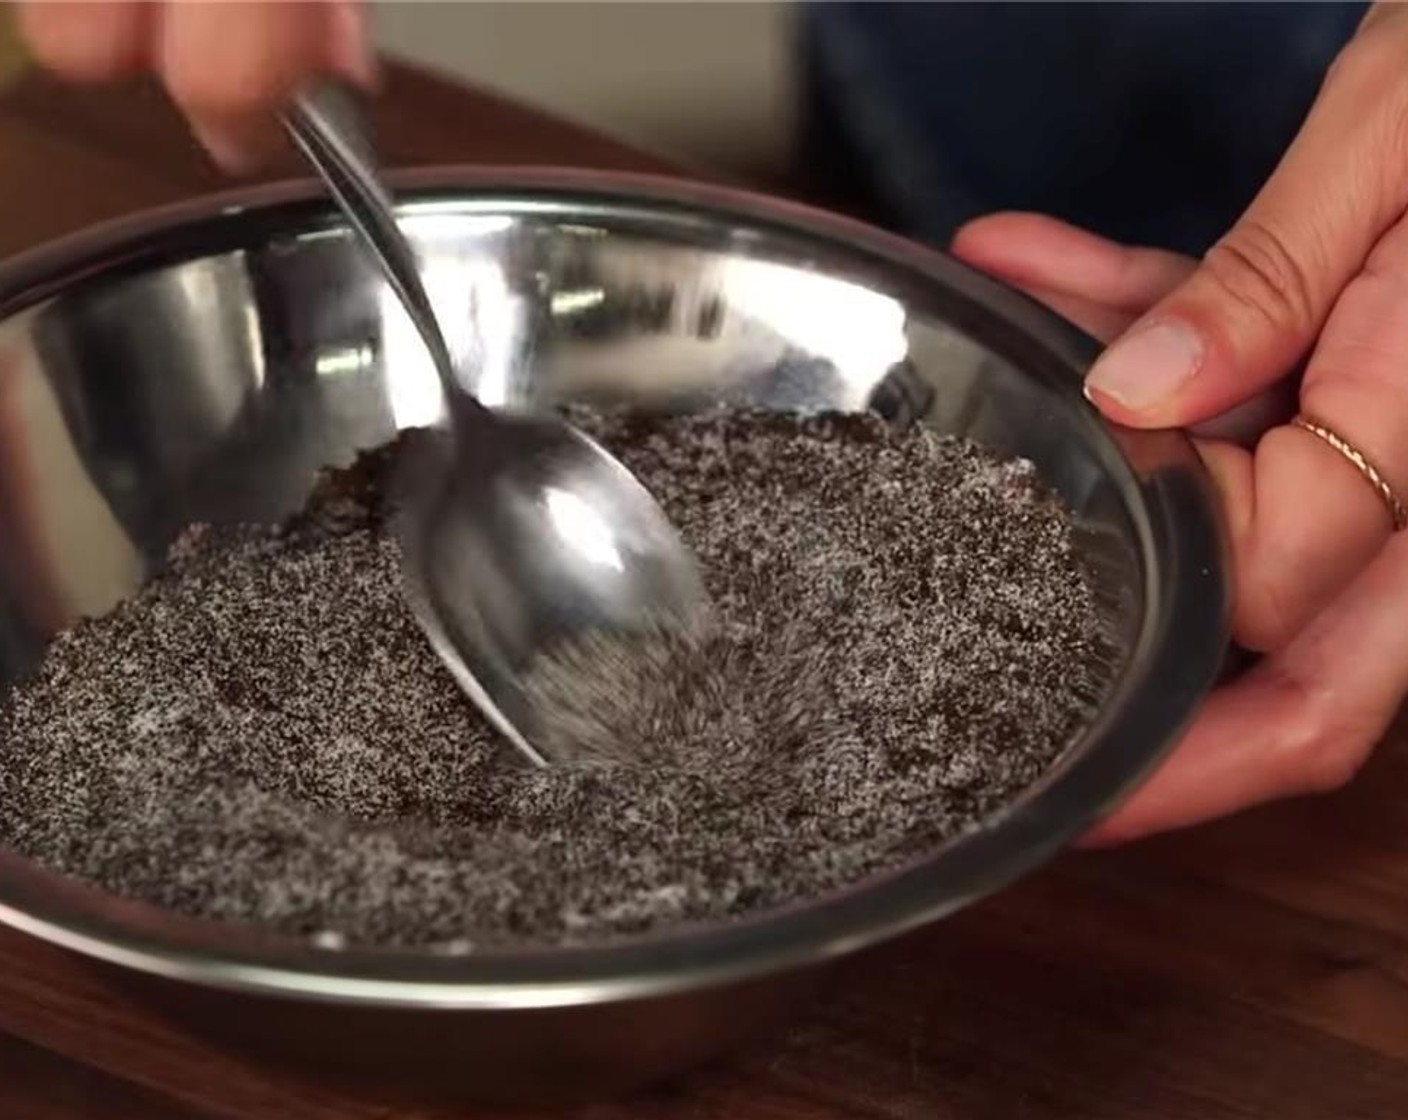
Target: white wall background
{"points": [[707, 82]]}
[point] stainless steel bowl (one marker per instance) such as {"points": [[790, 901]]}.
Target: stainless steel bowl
{"points": [[201, 363]]}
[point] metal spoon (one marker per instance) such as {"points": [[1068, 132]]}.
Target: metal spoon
{"points": [[517, 532]]}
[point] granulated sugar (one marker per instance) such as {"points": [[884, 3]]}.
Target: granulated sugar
{"points": [[905, 641]]}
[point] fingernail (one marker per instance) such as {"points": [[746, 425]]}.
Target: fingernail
{"points": [[1148, 366]]}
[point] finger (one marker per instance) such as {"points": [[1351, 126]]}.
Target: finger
{"points": [[1095, 319], [88, 42], [1318, 520], [1033, 251], [1261, 295], [1301, 722], [232, 66], [1101, 287]]}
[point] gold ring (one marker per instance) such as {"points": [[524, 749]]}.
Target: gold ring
{"points": [[1361, 463]]}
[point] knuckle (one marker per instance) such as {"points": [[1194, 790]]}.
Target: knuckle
{"points": [[1254, 268]]}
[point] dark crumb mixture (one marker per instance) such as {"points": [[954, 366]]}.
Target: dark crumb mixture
{"points": [[905, 642]]}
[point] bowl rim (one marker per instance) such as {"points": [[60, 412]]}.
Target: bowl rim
{"points": [[1189, 603]]}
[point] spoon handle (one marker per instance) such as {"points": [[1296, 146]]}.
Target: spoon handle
{"points": [[327, 124]]}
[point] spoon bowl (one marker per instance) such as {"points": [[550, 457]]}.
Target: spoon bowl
{"points": [[518, 544], [517, 533]]}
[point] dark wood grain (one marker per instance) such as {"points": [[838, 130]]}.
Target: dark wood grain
{"points": [[38, 1084], [1256, 968]]}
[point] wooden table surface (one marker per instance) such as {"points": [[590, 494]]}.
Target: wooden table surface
{"points": [[1256, 968]]}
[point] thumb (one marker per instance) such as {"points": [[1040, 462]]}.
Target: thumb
{"points": [[1257, 301]]}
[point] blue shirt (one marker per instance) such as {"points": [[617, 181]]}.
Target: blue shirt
{"points": [[1149, 123]]}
